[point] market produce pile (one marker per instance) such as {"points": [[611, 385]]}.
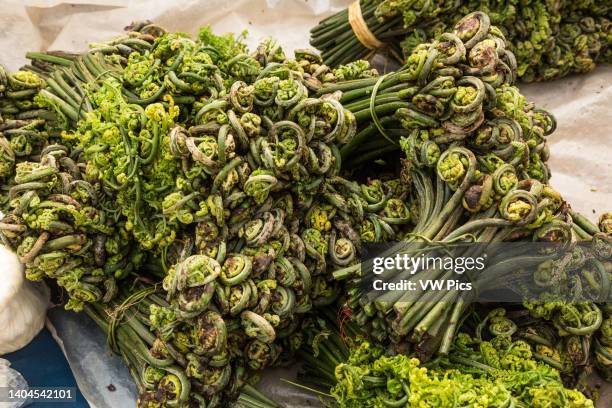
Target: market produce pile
{"points": [[226, 186], [203, 202], [549, 39]]}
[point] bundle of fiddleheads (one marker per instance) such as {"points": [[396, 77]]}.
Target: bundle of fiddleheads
{"points": [[125, 144], [549, 40], [490, 366], [223, 172], [56, 217], [454, 91], [173, 371], [473, 147]]}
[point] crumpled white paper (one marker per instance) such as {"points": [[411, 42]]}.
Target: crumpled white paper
{"points": [[581, 147]]}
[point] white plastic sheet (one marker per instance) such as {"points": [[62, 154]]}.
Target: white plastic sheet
{"points": [[580, 148], [101, 375]]}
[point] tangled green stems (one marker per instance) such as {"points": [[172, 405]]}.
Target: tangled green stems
{"points": [[244, 139]]}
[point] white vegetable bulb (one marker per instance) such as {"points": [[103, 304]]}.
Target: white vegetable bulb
{"points": [[23, 304]]}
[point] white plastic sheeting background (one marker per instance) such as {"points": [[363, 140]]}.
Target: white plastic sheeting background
{"points": [[581, 147]]}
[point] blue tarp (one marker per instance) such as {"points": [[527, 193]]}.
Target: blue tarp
{"points": [[43, 364]]}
